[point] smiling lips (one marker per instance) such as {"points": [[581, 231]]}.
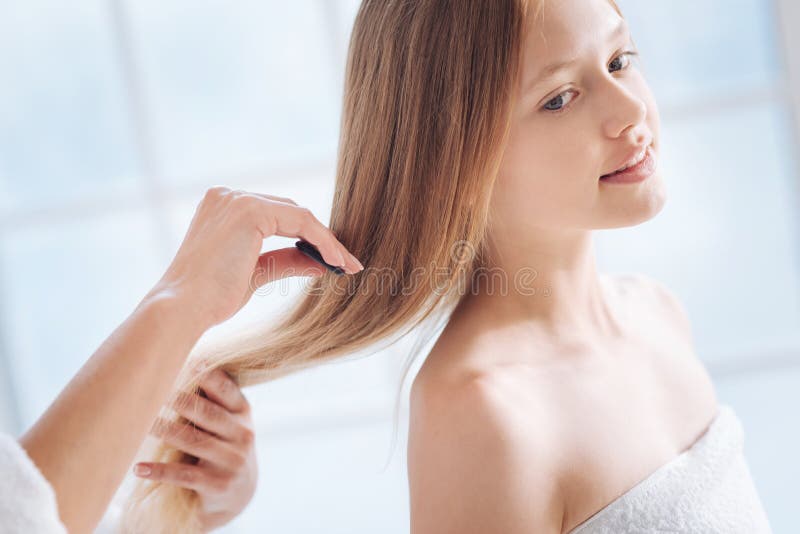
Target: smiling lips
{"points": [[639, 172], [638, 154]]}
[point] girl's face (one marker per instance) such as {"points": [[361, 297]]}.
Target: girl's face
{"points": [[577, 124]]}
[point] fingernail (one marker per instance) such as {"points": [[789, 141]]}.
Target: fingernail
{"points": [[141, 470], [360, 267]]}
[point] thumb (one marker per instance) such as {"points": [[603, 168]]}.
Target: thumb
{"points": [[283, 263]]}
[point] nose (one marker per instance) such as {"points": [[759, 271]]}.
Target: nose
{"points": [[625, 113]]}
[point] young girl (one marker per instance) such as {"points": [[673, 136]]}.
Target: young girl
{"points": [[482, 142]]}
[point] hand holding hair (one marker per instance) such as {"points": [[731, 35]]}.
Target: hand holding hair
{"points": [[220, 258], [86, 440], [220, 443]]}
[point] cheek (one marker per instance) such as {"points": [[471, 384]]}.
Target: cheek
{"points": [[547, 172], [533, 189], [544, 167], [524, 169]]}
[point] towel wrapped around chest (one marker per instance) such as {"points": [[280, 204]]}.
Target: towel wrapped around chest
{"points": [[707, 489]]}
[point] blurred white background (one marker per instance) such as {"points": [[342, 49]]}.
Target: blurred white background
{"points": [[115, 116]]}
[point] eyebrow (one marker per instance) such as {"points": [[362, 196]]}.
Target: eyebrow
{"points": [[554, 68]]}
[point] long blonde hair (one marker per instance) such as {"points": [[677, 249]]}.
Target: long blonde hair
{"points": [[429, 90]]}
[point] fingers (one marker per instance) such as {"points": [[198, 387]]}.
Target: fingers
{"points": [[284, 262], [221, 389], [224, 190], [296, 221], [208, 415], [301, 222], [279, 199], [179, 474], [199, 443], [287, 256], [225, 412], [282, 216]]}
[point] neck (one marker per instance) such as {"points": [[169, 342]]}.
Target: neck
{"points": [[551, 282]]}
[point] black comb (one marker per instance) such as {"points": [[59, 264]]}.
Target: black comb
{"points": [[311, 251]]}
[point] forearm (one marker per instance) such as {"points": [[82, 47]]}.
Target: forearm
{"points": [[85, 441]]}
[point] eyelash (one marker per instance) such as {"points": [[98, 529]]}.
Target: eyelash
{"points": [[630, 53]]}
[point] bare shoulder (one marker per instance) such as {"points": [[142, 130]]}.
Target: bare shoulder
{"points": [[660, 295], [471, 466], [673, 335]]}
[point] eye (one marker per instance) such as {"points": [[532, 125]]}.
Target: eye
{"points": [[627, 54], [557, 104], [558, 101]]}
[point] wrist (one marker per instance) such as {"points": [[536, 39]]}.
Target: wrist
{"points": [[177, 308]]}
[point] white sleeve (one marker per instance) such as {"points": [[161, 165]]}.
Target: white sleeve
{"points": [[27, 501]]}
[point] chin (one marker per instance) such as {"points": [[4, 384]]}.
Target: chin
{"points": [[643, 203]]}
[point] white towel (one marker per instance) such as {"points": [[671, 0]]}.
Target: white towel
{"points": [[707, 489], [27, 501]]}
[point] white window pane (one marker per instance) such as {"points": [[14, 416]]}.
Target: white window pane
{"points": [[330, 482], [64, 134], [704, 48], [726, 241], [66, 287], [237, 86]]}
